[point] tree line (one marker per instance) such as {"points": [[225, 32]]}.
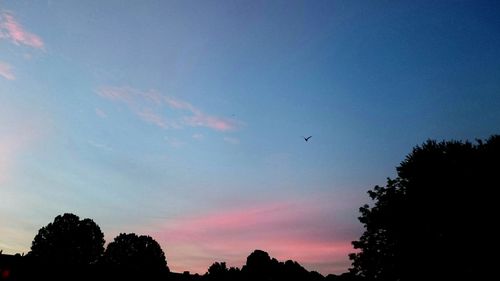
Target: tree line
{"points": [[433, 221], [73, 248]]}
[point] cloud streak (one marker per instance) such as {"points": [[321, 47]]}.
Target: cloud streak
{"points": [[11, 143], [6, 71], [156, 119], [99, 112], [8, 147], [12, 30], [287, 230], [152, 107], [231, 140]]}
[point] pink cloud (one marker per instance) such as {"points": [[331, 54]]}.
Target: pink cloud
{"points": [[285, 230], [178, 104], [200, 119], [117, 94], [6, 71], [216, 123], [156, 119], [12, 30], [153, 96], [99, 112], [145, 105], [152, 107]]}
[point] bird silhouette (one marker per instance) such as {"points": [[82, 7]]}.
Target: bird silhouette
{"points": [[306, 139]]}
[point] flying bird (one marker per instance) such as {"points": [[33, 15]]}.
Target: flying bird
{"points": [[306, 139]]}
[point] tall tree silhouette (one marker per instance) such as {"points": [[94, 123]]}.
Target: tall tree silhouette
{"points": [[68, 240], [428, 222], [136, 253], [259, 264]]}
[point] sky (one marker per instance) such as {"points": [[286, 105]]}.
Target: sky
{"points": [[184, 120]]}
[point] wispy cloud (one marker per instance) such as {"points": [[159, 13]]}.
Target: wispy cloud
{"points": [[178, 104], [200, 119], [153, 107], [212, 122], [8, 146], [6, 71], [231, 140], [198, 136], [99, 112], [286, 230], [99, 145], [155, 118], [11, 143], [121, 94], [174, 142], [12, 30]]}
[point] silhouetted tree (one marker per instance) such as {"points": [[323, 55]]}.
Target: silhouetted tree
{"points": [[347, 276], [135, 253], [234, 273], [258, 264], [217, 268], [218, 271], [68, 240], [429, 222], [292, 270]]}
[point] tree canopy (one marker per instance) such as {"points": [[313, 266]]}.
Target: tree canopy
{"points": [[69, 240], [260, 266], [432, 220], [219, 271], [135, 252]]}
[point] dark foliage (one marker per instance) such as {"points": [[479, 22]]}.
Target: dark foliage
{"points": [[132, 252], [260, 266], [219, 271], [69, 241], [433, 220], [347, 276]]}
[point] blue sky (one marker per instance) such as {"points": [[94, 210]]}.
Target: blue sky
{"points": [[183, 120]]}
